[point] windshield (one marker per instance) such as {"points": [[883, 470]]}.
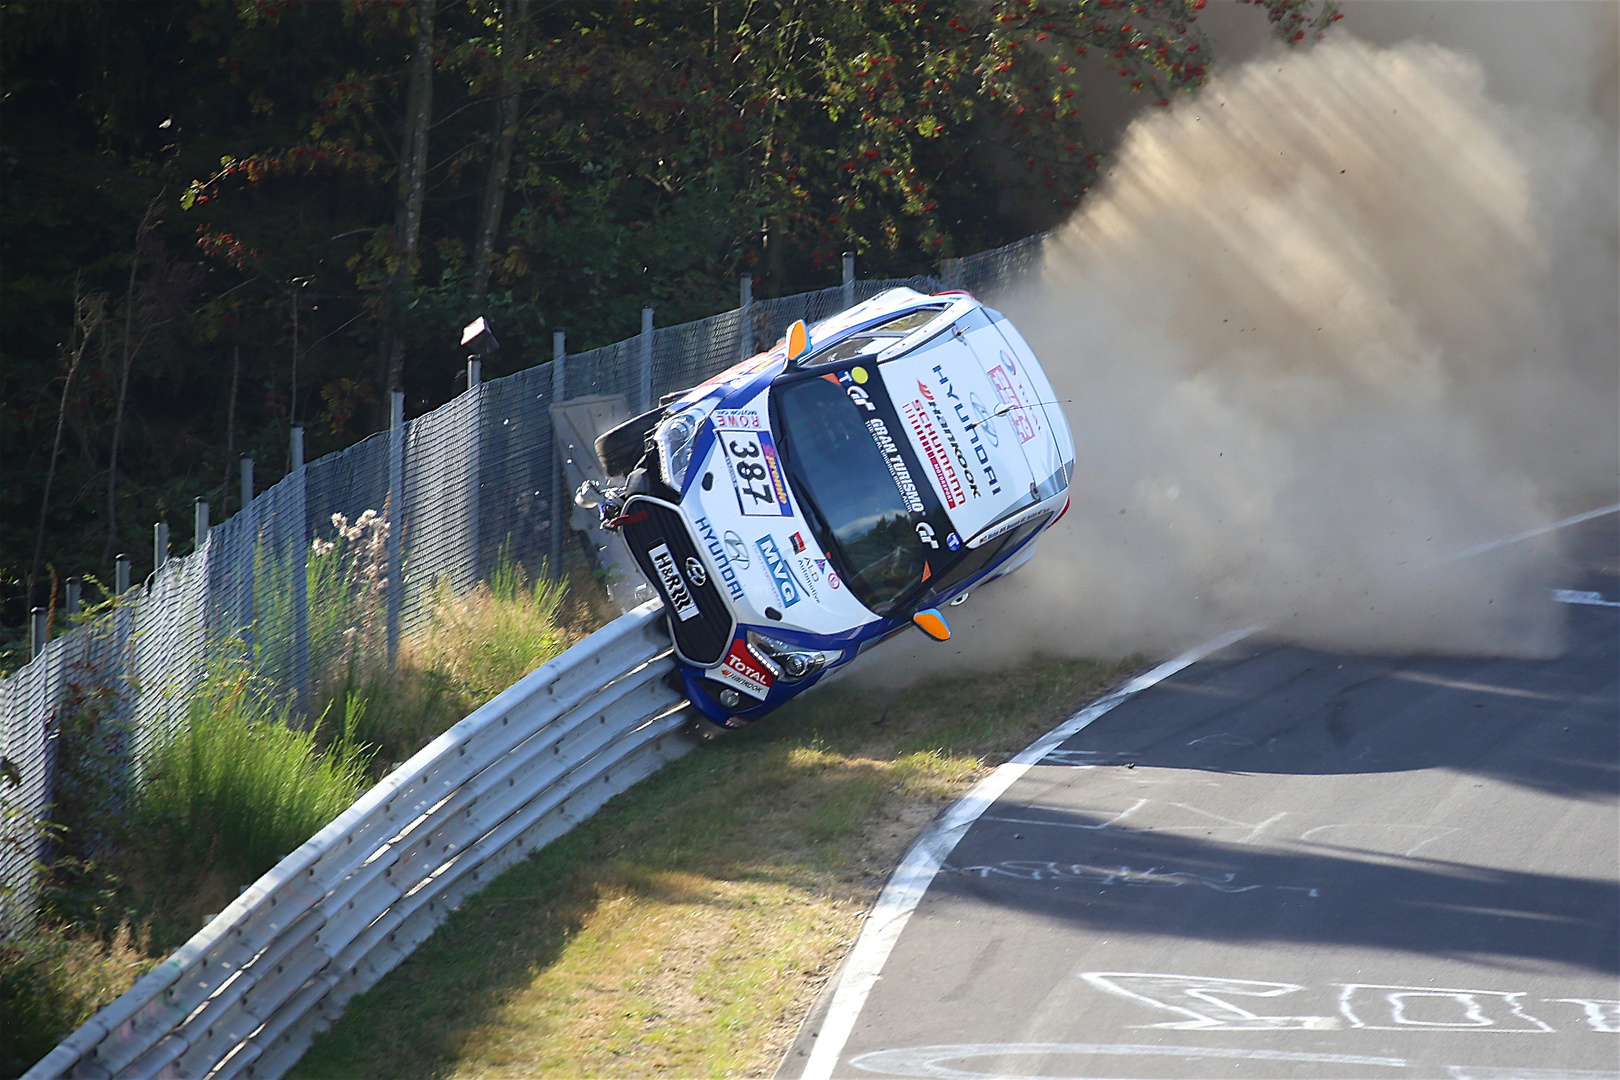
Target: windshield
{"points": [[849, 490]]}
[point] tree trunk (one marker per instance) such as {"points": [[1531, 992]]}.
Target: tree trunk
{"points": [[500, 163], [412, 190], [88, 312], [230, 434], [129, 350]]}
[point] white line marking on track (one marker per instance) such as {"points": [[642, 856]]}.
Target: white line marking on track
{"points": [[1531, 534], [925, 1060], [916, 871], [1575, 596]]}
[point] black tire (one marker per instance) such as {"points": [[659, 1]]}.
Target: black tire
{"points": [[620, 448]]}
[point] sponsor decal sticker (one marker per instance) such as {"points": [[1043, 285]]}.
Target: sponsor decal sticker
{"points": [[953, 541], [796, 542], [950, 483], [741, 670], [756, 473], [695, 572], [807, 572], [680, 598], [787, 587], [925, 533], [960, 408], [828, 574], [1024, 421], [736, 420], [721, 552], [897, 465]]}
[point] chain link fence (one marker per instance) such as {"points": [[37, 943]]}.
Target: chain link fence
{"points": [[348, 553]]}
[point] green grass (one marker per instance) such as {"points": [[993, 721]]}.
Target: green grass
{"points": [[243, 781], [237, 786], [686, 928]]}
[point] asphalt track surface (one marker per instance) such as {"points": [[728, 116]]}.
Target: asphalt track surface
{"points": [[1284, 863]]}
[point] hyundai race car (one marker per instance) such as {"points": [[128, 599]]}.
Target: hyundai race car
{"points": [[818, 498]]}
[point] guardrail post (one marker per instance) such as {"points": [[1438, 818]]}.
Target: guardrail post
{"points": [[74, 589], [121, 575], [299, 565], [849, 279], [745, 321], [396, 517], [645, 400], [559, 497], [36, 632], [160, 545]]}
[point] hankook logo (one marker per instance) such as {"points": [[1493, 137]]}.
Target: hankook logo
{"points": [[695, 573]]}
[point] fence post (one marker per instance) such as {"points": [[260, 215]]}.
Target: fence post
{"points": [[247, 558], [745, 322], [36, 632], [396, 517], [299, 563], [74, 588], [559, 497], [160, 545], [950, 272], [121, 575], [247, 480], [646, 399], [849, 279], [475, 470]]}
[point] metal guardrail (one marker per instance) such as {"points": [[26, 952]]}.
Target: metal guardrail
{"points": [[247, 995]]}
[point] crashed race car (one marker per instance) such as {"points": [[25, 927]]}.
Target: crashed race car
{"points": [[837, 490]]}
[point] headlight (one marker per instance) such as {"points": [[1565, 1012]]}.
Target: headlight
{"points": [[675, 437], [790, 663]]}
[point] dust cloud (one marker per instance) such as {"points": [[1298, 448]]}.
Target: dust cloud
{"points": [[1347, 313]]}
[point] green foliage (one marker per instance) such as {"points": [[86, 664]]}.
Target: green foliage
{"points": [[235, 788], [661, 148], [50, 983]]}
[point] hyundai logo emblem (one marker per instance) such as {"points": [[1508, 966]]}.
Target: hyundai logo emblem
{"points": [[695, 572]]}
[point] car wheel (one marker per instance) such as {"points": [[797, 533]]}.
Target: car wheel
{"points": [[618, 449]]}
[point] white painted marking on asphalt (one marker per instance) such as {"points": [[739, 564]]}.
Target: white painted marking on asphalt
{"points": [[1530, 534], [1602, 1015], [1403, 1008], [1202, 999], [1519, 1072], [1112, 822], [1033, 870], [1232, 823], [904, 891], [1575, 596], [925, 1061]]}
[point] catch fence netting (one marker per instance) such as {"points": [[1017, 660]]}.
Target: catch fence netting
{"points": [[334, 565]]}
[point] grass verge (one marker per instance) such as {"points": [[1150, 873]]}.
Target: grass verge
{"points": [[686, 929], [237, 787]]}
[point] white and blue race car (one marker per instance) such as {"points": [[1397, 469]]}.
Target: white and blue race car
{"points": [[846, 485]]}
